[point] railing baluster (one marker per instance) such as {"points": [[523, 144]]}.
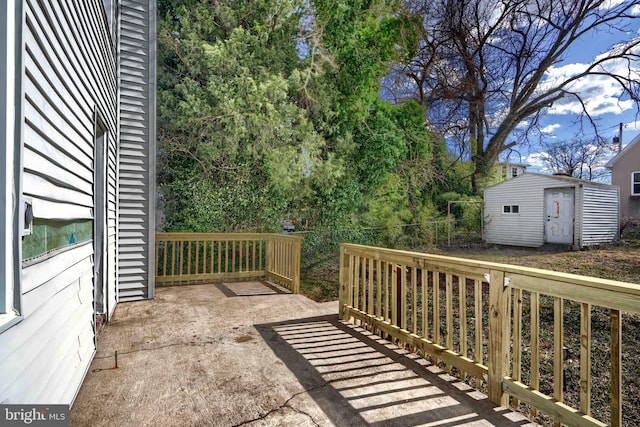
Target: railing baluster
{"points": [[188, 242], [449, 313], [462, 292], [425, 304], [558, 351], [378, 277], [585, 359], [414, 300], [394, 295], [173, 259], [479, 353], [616, 368], [386, 267], [436, 308], [535, 344], [517, 339], [356, 283], [363, 284], [164, 257], [197, 243], [226, 255], [403, 296], [370, 307]]}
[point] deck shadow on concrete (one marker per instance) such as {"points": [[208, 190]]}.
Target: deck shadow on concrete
{"points": [[360, 379], [250, 289]]}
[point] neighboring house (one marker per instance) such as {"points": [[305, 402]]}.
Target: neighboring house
{"points": [[509, 170], [77, 146], [534, 209], [625, 173]]}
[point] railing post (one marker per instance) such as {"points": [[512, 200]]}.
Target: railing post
{"points": [[345, 285], [269, 255], [499, 336], [295, 277]]}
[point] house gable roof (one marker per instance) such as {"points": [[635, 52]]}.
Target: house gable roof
{"points": [[624, 151]]}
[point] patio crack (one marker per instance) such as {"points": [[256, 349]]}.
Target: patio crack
{"points": [[286, 404]]}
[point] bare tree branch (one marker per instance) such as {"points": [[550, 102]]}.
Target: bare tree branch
{"points": [[485, 66]]}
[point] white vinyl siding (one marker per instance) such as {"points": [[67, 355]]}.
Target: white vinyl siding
{"points": [[69, 73], [600, 215], [523, 229], [136, 220]]}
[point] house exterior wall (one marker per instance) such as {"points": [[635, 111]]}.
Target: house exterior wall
{"points": [[627, 162], [136, 189], [69, 79], [596, 207]]}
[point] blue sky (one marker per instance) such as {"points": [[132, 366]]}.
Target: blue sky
{"points": [[602, 98]]}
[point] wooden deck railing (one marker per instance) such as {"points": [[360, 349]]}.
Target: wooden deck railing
{"points": [[469, 315], [193, 257]]}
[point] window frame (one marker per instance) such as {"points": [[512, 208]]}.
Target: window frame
{"points": [[509, 209], [635, 182], [11, 113]]}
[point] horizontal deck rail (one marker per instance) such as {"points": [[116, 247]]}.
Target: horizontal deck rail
{"points": [[469, 315], [197, 257]]}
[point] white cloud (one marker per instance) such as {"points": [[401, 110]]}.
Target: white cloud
{"points": [[600, 93], [550, 128], [632, 126], [534, 159], [608, 4]]}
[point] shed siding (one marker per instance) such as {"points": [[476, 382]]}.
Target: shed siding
{"points": [[69, 74], [600, 215], [523, 229], [136, 221]]}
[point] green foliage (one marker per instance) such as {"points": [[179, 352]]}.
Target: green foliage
{"points": [[466, 210], [271, 109], [229, 124]]}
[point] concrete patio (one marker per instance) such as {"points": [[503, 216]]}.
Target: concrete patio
{"points": [[252, 354]]}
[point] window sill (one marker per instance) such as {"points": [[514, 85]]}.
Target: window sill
{"points": [[7, 320]]}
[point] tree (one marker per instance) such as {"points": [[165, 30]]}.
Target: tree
{"points": [[483, 67], [271, 107], [236, 149], [577, 158]]}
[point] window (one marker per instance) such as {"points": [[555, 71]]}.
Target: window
{"points": [[514, 172], [511, 209], [635, 183]]}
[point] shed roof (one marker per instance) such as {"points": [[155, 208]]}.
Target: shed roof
{"points": [[560, 178], [625, 150]]}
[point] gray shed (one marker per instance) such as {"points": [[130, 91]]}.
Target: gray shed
{"points": [[533, 209]]}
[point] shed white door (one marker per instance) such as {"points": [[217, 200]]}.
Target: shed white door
{"points": [[559, 208]]}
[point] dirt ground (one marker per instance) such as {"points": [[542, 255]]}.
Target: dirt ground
{"points": [[616, 262]]}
